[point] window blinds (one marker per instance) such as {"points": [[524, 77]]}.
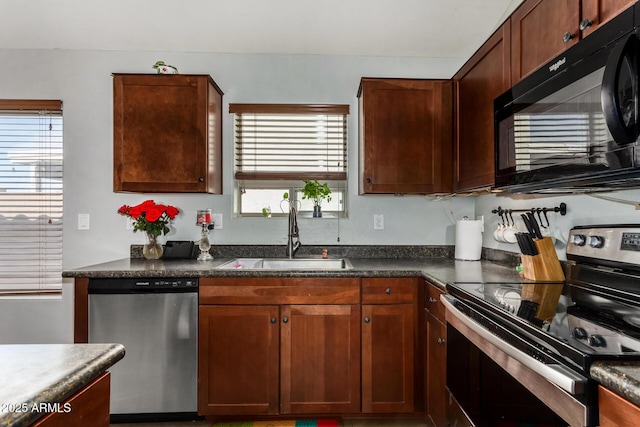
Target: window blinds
{"points": [[290, 141], [30, 196]]}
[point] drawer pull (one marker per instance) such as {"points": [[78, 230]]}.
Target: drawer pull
{"points": [[388, 291], [432, 299], [567, 37], [441, 341], [367, 320], [585, 23]]}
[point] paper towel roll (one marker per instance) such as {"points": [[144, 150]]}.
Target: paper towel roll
{"points": [[468, 240]]}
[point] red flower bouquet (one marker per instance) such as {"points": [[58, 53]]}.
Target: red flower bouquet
{"points": [[150, 217]]}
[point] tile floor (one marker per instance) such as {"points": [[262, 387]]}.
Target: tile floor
{"points": [[348, 422]]}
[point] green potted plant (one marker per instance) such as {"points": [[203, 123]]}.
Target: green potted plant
{"points": [[317, 192]]}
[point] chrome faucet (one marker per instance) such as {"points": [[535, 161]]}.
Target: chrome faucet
{"points": [[292, 247]]}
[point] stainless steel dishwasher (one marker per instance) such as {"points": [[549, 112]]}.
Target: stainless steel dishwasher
{"points": [[156, 320]]}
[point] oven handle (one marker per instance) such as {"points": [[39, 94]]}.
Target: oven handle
{"points": [[555, 373]]}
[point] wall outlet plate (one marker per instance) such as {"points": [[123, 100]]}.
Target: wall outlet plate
{"points": [[217, 221], [378, 221], [83, 221]]}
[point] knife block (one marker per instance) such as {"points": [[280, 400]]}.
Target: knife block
{"points": [[546, 295], [544, 267]]}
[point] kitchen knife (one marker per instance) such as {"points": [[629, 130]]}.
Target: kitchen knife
{"points": [[521, 244], [534, 225], [527, 223], [533, 250]]}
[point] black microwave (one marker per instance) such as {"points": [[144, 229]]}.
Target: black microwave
{"points": [[572, 126]]}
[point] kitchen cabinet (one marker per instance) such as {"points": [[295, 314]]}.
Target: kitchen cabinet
{"points": [[87, 407], [542, 29], [388, 344], [405, 136], [615, 410], [485, 76], [279, 346], [167, 133], [436, 360]]}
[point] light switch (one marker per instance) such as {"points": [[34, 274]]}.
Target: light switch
{"points": [[217, 221], [83, 221]]}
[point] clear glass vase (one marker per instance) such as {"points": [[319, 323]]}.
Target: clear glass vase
{"points": [[152, 249]]}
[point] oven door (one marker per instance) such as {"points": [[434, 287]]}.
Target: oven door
{"points": [[495, 382]]}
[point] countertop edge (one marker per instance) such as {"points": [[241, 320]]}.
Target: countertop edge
{"points": [[72, 383], [621, 377]]}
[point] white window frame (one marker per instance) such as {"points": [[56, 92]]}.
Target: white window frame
{"points": [[31, 172], [254, 171]]}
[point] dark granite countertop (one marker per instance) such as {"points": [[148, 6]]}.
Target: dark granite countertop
{"points": [[440, 271], [47, 373], [621, 377]]}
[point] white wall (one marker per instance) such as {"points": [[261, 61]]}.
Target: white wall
{"points": [[82, 80], [581, 210]]}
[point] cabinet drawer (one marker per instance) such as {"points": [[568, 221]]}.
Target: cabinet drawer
{"points": [[257, 290], [389, 291], [432, 301]]}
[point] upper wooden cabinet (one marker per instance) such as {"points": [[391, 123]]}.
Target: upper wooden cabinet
{"points": [[167, 133], [485, 76], [405, 135], [542, 29]]}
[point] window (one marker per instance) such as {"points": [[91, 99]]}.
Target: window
{"points": [[30, 196], [279, 145]]}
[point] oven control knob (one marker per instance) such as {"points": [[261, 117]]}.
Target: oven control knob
{"points": [[578, 239], [596, 341], [579, 333], [596, 241]]}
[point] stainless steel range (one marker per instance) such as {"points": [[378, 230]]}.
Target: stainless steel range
{"points": [[521, 352]]}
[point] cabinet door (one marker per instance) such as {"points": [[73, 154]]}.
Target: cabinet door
{"points": [[485, 76], [597, 12], [167, 133], [615, 410], [436, 371], [540, 30], [238, 360], [320, 359], [388, 358], [405, 136]]}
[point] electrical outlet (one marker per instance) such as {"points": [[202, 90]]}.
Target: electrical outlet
{"points": [[217, 221], [83, 221], [378, 222]]}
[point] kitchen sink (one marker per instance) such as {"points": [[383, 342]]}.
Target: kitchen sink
{"points": [[287, 264]]}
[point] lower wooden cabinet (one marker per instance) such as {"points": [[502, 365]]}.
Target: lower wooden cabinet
{"points": [[309, 346], [320, 359], [615, 410], [436, 357], [88, 407], [273, 358], [389, 345], [238, 360]]}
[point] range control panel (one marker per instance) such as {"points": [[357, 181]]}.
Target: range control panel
{"points": [[618, 243]]}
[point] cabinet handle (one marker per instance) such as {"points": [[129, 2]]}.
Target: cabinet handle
{"points": [[201, 179], [432, 299], [585, 23], [566, 37], [367, 320], [285, 320], [273, 320], [368, 180], [440, 341], [388, 291]]}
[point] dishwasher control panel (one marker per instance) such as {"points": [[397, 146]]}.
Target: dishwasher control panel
{"points": [[138, 285]]}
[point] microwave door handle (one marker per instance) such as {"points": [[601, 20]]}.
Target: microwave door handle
{"points": [[622, 131]]}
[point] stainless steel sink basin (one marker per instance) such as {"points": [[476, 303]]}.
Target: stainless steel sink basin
{"points": [[287, 264]]}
